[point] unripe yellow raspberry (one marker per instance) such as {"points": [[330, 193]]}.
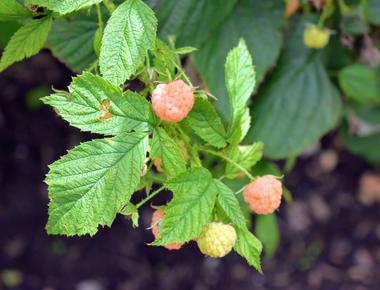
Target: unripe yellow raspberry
{"points": [[173, 101], [216, 239], [263, 195], [156, 218], [316, 37]]}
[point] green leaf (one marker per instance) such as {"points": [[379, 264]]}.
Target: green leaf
{"points": [[360, 83], [258, 22], [249, 247], [165, 61], [64, 6], [71, 41], [92, 183], [245, 155], [26, 42], [298, 104], [12, 10], [230, 205], [129, 33], [206, 123], [373, 11], [7, 30], [240, 82], [184, 18], [130, 210], [366, 146], [97, 106], [191, 207], [164, 147], [268, 232]]}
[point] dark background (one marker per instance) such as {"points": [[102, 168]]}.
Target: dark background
{"points": [[329, 238]]}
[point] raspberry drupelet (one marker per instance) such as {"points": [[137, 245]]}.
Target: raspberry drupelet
{"points": [[173, 101], [156, 217], [263, 195]]}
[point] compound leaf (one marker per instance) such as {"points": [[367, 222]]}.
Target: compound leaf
{"points": [[71, 41], [11, 10], [164, 147], [249, 247], [26, 42], [206, 123], [129, 33], [191, 207], [97, 106], [230, 205], [240, 82], [91, 184], [245, 155], [64, 6]]}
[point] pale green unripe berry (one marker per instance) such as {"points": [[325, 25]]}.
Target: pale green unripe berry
{"points": [[216, 239]]}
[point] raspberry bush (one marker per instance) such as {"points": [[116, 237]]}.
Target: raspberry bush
{"points": [[203, 144]]}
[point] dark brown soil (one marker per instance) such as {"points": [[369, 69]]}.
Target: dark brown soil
{"points": [[330, 240]]}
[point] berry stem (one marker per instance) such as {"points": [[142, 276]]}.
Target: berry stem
{"points": [[149, 197], [215, 153]]}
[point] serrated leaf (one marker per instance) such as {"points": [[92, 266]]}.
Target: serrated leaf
{"points": [[97, 106], [283, 117], [129, 33], [11, 10], [249, 247], [267, 231], [90, 185], [165, 61], [71, 41], [164, 147], [230, 205], [258, 22], [26, 42], [130, 210], [360, 83], [184, 18], [64, 6], [191, 207], [206, 123], [245, 155], [240, 82]]}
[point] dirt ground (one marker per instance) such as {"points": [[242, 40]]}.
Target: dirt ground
{"points": [[330, 240]]}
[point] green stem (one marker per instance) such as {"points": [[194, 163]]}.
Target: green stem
{"points": [[245, 171], [149, 197], [110, 6], [99, 13]]}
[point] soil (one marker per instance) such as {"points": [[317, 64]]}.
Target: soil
{"points": [[329, 240]]}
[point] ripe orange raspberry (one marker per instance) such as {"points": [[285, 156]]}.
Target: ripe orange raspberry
{"points": [[263, 195], [156, 218], [158, 162], [173, 101]]}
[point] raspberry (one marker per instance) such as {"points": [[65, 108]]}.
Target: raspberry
{"points": [[156, 219], [172, 101], [316, 37], [157, 162], [263, 195], [216, 239]]}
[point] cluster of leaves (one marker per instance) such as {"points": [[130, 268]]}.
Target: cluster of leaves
{"points": [[95, 181]]}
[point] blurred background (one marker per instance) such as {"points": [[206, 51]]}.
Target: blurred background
{"points": [[326, 235]]}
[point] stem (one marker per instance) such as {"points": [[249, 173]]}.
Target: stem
{"points": [[99, 13], [149, 197], [110, 6], [245, 171]]}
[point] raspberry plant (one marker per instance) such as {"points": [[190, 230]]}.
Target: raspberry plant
{"points": [[164, 134]]}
